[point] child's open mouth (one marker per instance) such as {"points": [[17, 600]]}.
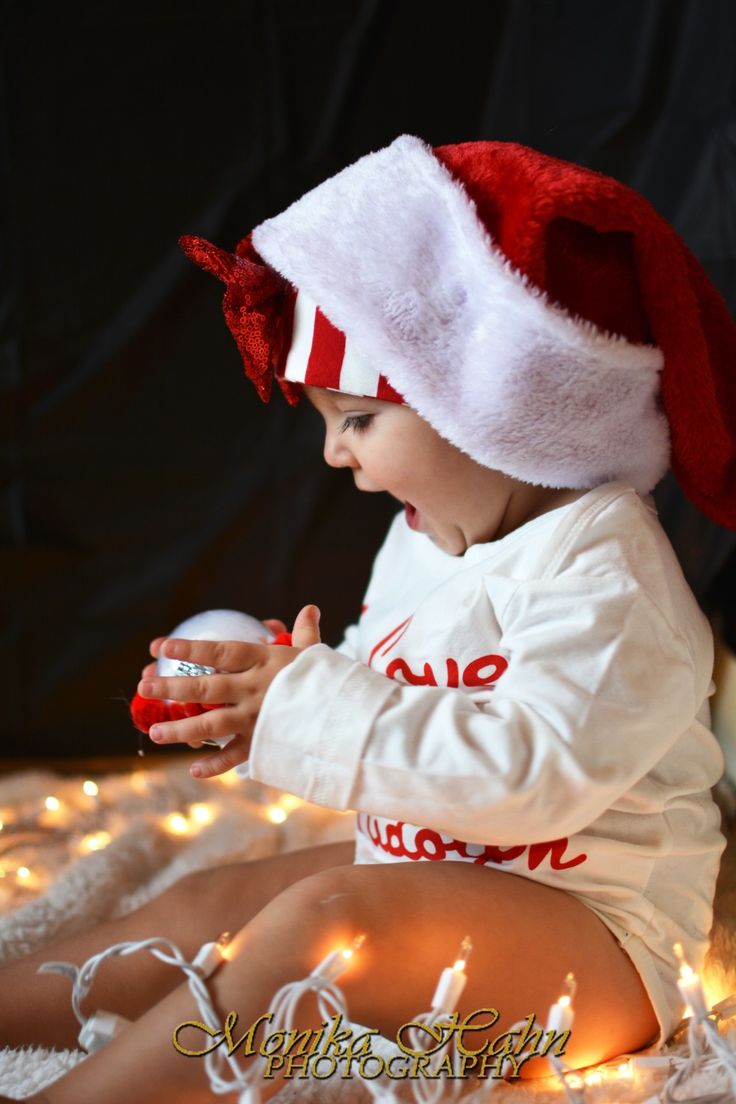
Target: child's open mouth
{"points": [[412, 517]]}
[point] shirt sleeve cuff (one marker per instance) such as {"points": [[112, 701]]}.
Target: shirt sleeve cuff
{"points": [[315, 751]]}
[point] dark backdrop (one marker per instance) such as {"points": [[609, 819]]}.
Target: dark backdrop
{"points": [[142, 478]]}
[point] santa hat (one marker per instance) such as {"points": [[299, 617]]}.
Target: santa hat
{"points": [[540, 316]]}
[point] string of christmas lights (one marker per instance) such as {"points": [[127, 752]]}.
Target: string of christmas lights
{"points": [[433, 1024], [708, 1050], [41, 835], [70, 817], [281, 1017], [102, 1026], [560, 1018]]}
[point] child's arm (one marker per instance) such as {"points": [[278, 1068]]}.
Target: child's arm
{"points": [[248, 671], [598, 689]]}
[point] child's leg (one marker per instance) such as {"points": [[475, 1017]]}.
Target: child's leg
{"points": [[36, 1008], [525, 938]]}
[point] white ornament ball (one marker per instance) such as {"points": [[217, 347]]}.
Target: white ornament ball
{"points": [[219, 624]]}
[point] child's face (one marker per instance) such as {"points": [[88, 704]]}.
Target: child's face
{"points": [[446, 494]]}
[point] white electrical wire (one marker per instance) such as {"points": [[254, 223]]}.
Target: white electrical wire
{"points": [[321, 981], [99, 1029], [432, 1088], [572, 1095], [281, 1013], [83, 976], [709, 1051]]}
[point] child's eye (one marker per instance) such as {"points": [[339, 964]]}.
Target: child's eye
{"points": [[357, 422]]}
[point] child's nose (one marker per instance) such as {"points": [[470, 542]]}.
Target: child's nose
{"points": [[337, 453]]}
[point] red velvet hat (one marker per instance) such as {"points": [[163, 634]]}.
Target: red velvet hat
{"points": [[540, 316]]}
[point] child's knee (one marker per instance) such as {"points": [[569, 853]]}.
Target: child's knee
{"points": [[197, 886], [200, 905], [322, 912], [323, 899]]}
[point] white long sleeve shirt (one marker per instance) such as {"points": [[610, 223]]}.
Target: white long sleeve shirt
{"points": [[538, 704]]}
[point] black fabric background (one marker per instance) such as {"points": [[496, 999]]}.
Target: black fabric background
{"points": [[142, 478]]}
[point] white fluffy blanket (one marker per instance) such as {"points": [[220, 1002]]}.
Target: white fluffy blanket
{"points": [[94, 856]]}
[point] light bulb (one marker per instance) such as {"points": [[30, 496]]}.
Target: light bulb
{"points": [[177, 823], [96, 841], [202, 813], [463, 954], [289, 802], [560, 1016]]}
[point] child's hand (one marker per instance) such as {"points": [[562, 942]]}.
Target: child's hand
{"points": [[245, 672]]}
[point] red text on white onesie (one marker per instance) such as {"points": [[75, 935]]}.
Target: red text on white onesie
{"points": [[482, 671], [394, 839]]}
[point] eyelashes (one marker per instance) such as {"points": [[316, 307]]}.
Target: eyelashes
{"points": [[357, 422]]}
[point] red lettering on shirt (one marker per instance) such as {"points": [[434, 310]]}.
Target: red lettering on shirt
{"points": [[394, 636], [555, 849], [394, 844], [472, 674], [429, 845], [494, 854], [401, 666], [494, 665]]}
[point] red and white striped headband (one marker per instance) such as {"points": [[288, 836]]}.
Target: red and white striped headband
{"points": [[322, 356]]}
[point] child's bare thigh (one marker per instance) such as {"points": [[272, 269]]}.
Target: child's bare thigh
{"points": [[230, 894], [526, 937]]}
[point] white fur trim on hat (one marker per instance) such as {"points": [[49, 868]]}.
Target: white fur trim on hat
{"points": [[394, 253]]}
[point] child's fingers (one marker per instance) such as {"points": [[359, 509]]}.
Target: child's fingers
{"points": [[205, 689], [306, 627], [149, 671], [275, 625], [193, 730], [216, 724], [155, 646], [220, 761], [225, 655]]}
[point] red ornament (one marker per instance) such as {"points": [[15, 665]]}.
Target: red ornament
{"points": [[145, 712]]}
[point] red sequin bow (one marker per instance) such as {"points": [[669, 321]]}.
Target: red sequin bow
{"points": [[258, 306]]}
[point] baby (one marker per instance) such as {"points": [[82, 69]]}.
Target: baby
{"points": [[515, 349]]}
